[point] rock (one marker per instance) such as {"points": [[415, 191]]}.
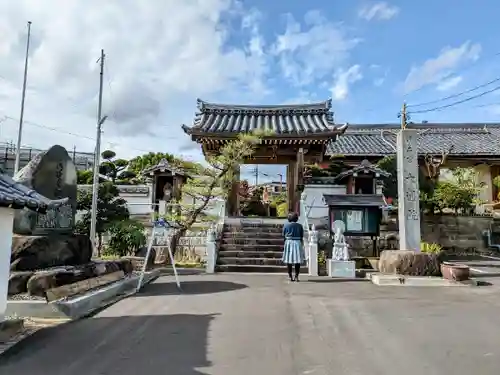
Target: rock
{"points": [[410, 263], [126, 266], [152, 255], [31, 253], [18, 281], [41, 281], [137, 263], [52, 174]]}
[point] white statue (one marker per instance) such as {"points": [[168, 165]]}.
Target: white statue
{"points": [[340, 247]]}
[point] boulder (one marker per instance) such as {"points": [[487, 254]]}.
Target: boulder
{"points": [[18, 281], [137, 263], [44, 280], [30, 253], [409, 263]]}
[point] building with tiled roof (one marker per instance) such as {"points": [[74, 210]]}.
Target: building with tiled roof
{"points": [[459, 140], [292, 134]]}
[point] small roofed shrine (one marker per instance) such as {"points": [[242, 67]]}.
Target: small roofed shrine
{"points": [[362, 179], [294, 135], [167, 182]]}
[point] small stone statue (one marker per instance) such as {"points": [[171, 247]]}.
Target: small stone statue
{"points": [[340, 247]]}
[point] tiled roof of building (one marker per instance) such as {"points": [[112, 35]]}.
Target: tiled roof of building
{"points": [[163, 166], [364, 167], [16, 195], [291, 120], [459, 139], [355, 200]]}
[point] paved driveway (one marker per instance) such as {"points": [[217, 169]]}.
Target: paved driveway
{"points": [[253, 324]]}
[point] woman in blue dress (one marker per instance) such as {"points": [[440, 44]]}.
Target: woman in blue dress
{"points": [[293, 253]]}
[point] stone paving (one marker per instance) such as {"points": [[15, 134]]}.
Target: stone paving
{"points": [[260, 324]]}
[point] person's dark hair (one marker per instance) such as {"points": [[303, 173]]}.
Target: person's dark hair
{"points": [[293, 217]]}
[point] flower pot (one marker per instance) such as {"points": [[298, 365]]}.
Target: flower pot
{"points": [[456, 272]]}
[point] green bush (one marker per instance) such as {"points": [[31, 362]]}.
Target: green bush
{"points": [[282, 209], [126, 238], [430, 248]]}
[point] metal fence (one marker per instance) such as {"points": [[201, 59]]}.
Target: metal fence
{"points": [[82, 160]]}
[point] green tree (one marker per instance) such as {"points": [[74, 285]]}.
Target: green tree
{"points": [[110, 209], [460, 193], [212, 181], [115, 168], [84, 177]]}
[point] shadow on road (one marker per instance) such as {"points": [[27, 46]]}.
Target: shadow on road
{"points": [[129, 345], [159, 288]]}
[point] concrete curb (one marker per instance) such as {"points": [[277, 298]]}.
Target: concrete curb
{"points": [[400, 280], [82, 305]]}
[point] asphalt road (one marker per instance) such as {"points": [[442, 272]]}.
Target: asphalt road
{"points": [[260, 324]]}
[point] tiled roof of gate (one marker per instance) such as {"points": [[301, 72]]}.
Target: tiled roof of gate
{"points": [[15, 195], [296, 119], [463, 139], [354, 200]]}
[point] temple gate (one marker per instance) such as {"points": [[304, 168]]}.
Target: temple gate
{"points": [[295, 134]]}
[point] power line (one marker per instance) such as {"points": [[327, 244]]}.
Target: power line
{"points": [[455, 95], [457, 102], [470, 66]]}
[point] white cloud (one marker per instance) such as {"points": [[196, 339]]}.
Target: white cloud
{"points": [[436, 69], [343, 80], [449, 83], [310, 53], [160, 56], [380, 11]]}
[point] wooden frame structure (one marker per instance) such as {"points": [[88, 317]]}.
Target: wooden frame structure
{"points": [[295, 134]]}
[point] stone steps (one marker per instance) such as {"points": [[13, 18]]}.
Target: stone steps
{"points": [[254, 248], [250, 254], [251, 242]]}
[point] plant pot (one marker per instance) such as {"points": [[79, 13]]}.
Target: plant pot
{"points": [[456, 272]]}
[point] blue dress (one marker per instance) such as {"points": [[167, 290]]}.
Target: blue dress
{"points": [[293, 252]]}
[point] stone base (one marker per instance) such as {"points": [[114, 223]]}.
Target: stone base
{"points": [[341, 268], [400, 280], [9, 328], [409, 263]]}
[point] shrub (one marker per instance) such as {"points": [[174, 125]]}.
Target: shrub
{"points": [[126, 238], [282, 209], [430, 248]]}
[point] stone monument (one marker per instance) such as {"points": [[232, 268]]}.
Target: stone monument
{"points": [[408, 189], [53, 175], [340, 265]]}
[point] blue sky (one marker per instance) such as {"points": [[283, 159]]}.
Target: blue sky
{"points": [[368, 56]]}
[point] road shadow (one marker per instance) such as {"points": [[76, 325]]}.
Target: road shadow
{"points": [[162, 288], [129, 345]]}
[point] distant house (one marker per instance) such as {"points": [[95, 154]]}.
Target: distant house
{"points": [[474, 145]]}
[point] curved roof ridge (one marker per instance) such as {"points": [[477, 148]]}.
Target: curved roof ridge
{"points": [[323, 106]]}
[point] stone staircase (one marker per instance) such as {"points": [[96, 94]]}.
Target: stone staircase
{"points": [[251, 248]]}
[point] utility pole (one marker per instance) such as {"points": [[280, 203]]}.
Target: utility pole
{"points": [[95, 181], [23, 96], [281, 181], [404, 116], [256, 174]]}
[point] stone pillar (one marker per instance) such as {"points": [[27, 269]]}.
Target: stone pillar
{"points": [[408, 190], [312, 252], [211, 252], [6, 222]]}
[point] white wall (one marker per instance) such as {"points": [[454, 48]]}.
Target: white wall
{"points": [[315, 198]]}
